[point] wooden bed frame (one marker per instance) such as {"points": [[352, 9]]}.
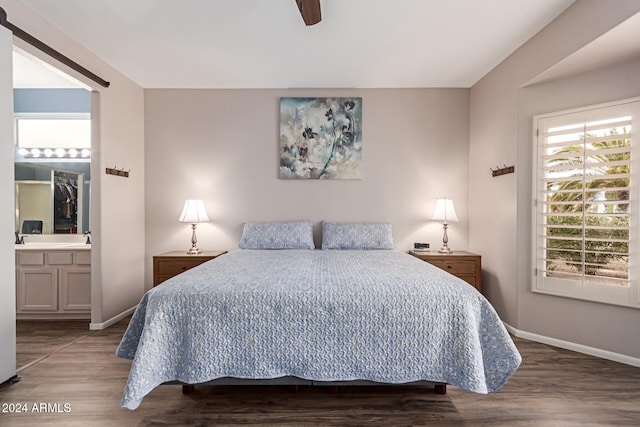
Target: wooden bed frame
{"points": [[438, 388]]}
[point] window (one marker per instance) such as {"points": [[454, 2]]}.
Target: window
{"points": [[586, 207]]}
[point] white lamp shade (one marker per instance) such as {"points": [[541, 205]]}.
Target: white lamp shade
{"points": [[193, 212], [445, 211]]}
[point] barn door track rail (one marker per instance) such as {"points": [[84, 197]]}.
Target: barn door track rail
{"points": [[23, 35]]}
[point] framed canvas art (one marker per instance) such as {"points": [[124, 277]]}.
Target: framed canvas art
{"points": [[321, 138]]}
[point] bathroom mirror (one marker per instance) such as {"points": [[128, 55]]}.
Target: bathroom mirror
{"points": [[52, 198], [52, 159]]}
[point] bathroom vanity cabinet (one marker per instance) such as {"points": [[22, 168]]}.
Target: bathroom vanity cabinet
{"points": [[53, 284]]}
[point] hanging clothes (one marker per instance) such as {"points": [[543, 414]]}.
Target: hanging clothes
{"points": [[65, 204]]}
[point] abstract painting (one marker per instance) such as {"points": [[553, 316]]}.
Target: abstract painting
{"points": [[320, 138]]}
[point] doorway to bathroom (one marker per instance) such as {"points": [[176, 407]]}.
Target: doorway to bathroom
{"points": [[52, 167]]}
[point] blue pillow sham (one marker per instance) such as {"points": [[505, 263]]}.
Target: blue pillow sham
{"points": [[277, 235], [357, 235]]}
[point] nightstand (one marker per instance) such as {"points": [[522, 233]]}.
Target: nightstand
{"points": [[465, 265], [170, 264]]}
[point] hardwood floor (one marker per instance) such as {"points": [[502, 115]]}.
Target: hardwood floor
{"points": [[36, 339], [72, 378]]}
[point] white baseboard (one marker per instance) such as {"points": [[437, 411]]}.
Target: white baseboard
{"points": [[109, 322], [591, 351]]}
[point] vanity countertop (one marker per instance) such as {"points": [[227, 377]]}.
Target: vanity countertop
{"points": [[53, 246]]}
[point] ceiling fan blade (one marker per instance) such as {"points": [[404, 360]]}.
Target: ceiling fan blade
{"points": [[310, 11]]}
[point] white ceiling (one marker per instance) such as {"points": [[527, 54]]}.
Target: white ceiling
{"points": [[265, 44]]}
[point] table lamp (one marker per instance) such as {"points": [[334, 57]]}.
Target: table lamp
{"points": [[445, 212], [193, 213]]}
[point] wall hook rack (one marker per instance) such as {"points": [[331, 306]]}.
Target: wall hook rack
{"points": [[118, 172], [502, 170]]}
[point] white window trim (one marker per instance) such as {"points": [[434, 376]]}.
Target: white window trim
{"points": [[623, 296]]}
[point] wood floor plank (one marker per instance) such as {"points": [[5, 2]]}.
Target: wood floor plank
{"points": [[36, 339], [80, 383]]}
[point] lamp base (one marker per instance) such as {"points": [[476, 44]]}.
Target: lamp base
{"points": [[445, 240], [194, 250]]}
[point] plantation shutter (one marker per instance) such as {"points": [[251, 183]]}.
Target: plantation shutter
{"points": [[586, 205]]}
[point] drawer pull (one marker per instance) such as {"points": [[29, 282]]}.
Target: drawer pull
{"points": [[449, 266]]}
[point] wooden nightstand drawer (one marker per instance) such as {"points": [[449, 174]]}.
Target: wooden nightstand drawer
{"points": [[171, 268], [464, 265], [171, 264], [456, 267], [469, 279]]}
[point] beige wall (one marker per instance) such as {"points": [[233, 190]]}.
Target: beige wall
{"points": [[501, 133], [222, 146], [117, 204]]}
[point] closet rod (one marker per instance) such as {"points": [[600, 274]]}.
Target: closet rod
{"points": [[21, 34]]}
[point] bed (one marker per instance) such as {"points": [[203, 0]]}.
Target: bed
{"points": [[318, 315]]}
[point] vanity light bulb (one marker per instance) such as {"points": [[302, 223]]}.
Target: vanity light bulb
{"points": [[23, 152], [60, 152], [35, 152], [73, 152], [85, 152], [48, 152]]}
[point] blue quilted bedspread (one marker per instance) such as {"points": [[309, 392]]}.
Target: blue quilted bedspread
{"points": [[318, 315]]}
